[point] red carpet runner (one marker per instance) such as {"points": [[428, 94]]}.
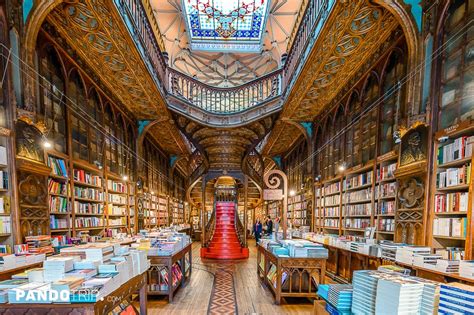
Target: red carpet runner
{"points": [[225, 243], [223, 299]]}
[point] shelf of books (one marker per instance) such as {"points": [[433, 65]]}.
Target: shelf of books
{"points": [[273, 209], [357, 201], [131, 208], [150, 213], [59, 195], [318, 207], [5, 213], [177, 211], [331, 205], [386, 198], [297, 211], [453, 187], [117, 204], [88, 200], [163, 213]]}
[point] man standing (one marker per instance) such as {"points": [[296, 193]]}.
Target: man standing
{"points": [[269, 225]]}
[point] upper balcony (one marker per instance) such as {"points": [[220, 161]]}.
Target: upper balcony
{"points": [[222, 106]]}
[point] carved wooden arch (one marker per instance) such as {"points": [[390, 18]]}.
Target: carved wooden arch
{"points": [[336, 110], [42, 49], [409, 27], [101, 102], [355, 94], [77, 72], [370, 74], [300, 128], [32, 26]]}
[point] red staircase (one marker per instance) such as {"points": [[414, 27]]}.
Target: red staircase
{"points": [[225, 243]]}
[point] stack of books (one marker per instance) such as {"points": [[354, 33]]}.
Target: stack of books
{"points": [[398, 296], [56, 267], [429, 297], [365, 291], [426, 261], [389, 250], [340, 296], [447, 266], [456, 298], [466, 269], [58, 166], [406, 254], [39, 244]]}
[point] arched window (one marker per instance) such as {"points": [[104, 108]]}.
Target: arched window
{"points": [[94, 109], [394, 98], [369, 120], [339, 123], [457, 72], [353, 134], [110, 140], [120, 134], [77, 97], [130, 150], [52, 108]]}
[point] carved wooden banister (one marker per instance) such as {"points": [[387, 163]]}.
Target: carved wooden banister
{"points": [[239, 227], [210, 227]]}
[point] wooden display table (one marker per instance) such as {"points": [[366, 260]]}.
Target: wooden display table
{"points": [[342, 263], [7, 274], [134, 285], [161, 271], [290, 277]]}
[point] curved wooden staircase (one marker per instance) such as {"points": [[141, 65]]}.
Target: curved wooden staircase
{"points": [[225, 242]]}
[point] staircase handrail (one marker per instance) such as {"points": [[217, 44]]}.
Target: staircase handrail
{"points": [[239, 227], [210, 227]]}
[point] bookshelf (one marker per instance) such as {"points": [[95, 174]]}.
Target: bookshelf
{"points": [[273, 209], [88, 199], [163, 212], [386, 188], [5, 211], [452, 187], [131, 208], [177, 211], [297, 210], [59, 195], [117, 204], [331, 205], [318, 207]]}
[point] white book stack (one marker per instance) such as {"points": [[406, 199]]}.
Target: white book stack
{"points": [[448, 266], [140, 261], [86, 264], [34, 292], [466, 269], [405, 254], [364, 294], [56, 267], [398, 296], [389, 250], [430, 296], [456, 298], [426, 261]]}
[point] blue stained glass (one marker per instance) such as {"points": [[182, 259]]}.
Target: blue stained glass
{"points": [[234, 24]]}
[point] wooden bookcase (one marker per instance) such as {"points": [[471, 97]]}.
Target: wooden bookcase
{"points": [[386, 188], [318, 207], [131, 208], [331, 200], [357, 200], [117, 204], [163, 211], [6, 224], [451, 224], [273, 209], [88, 199], [297, 210], [177, 211]]}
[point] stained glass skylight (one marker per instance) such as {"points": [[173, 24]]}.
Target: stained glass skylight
{"points": [[226, 25]]}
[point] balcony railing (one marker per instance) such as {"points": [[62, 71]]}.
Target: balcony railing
{"points": [[139, 19], [224, 100]]}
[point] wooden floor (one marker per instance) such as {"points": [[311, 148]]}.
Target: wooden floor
{"points": [[251, 296]]}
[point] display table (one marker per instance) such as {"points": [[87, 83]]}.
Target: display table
{"points": [[290, 277], [7, 274], [342, 263], [161, 270], [106, 305]]}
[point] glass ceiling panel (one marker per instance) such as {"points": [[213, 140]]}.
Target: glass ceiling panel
{"points": [[226, 25]]}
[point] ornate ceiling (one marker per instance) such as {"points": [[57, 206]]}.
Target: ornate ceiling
{"points": [[355, 30], [226, 68], [225, 148], [101, 39]]}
